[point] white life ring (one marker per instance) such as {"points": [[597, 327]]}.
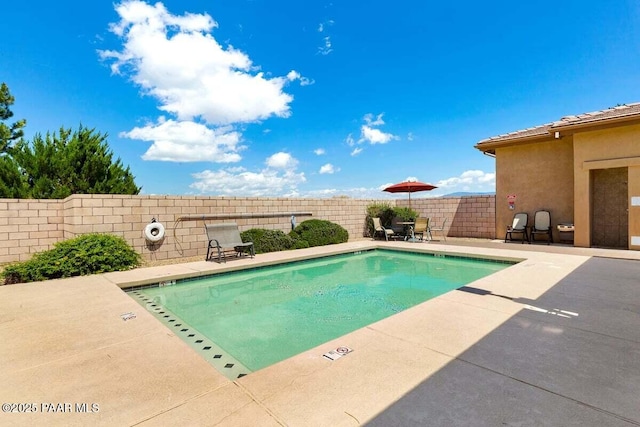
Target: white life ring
{"points": [[154, 232]]}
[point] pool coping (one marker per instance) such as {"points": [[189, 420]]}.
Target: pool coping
{"points": [[128, 280], [67, 341], [172, 279]]}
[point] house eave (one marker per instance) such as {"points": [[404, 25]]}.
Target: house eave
{"points": [[555, 131], [490, 146]]}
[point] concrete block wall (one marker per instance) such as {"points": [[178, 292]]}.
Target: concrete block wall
{"points": [[468, 216], [30, 226], [183, 218]]}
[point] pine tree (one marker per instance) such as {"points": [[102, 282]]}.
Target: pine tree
{"points": [[57, 165], [12, 182], [72, 162], [8, 134]]}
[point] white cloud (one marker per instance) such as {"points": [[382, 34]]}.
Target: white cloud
{"points": [[472, 180], [376, 136], [282, 160], [187, 142], [237, 181], [368, 193], [328, 169], [370, 133], [410, 136], [356, 151], [236, 169], [326, 48], [206, 87], [268, 182], [488, 178], [368, 118], [176, 60], [323, 25], [478, 175], [304, 81], [278, 178], [271, 182], [472, 174], [319, 151], [350, 141]]}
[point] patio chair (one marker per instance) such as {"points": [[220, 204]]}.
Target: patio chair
{"points": [[440, 230], [421, 227], [400, 230], [224, 238], [541, 225], [518, 226], [379, 228]]}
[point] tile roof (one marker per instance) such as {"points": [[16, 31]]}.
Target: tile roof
{"points": [[610, 113], [618, 112], [541, 130]]}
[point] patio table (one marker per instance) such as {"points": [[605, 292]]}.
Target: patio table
{"points": [[409, 225]]}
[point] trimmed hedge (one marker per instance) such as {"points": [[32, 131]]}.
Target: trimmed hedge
{"points": [[313, 232], [86, 254], [271, 240], [318, 232]]}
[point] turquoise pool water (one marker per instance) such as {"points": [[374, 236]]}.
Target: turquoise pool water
{"points": [[261, 316]]}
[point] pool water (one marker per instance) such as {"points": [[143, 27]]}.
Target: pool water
{"points": [[262, 316]]}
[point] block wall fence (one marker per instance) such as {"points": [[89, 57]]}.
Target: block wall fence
{"points": [[29, 226]]}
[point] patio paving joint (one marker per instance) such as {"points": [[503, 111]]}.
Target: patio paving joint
{"points": [[604, 411]]}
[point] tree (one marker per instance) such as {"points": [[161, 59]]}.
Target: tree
{"points": [[80, 162], [12, 182], [8, 134]]}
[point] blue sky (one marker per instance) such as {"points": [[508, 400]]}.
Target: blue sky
{"points": [[314, 98]]}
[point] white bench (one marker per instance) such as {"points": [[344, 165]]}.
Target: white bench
{"points": [[224, 238]]}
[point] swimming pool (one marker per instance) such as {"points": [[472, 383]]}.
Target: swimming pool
{"points": [[247, 320]]}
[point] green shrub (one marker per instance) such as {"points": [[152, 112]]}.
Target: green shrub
{"points": [[383, 210], [86, 254], [387, 213], [271, 240], [405, 214], [318, 232], [299, 243]]}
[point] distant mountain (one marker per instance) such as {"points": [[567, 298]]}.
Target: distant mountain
{"points": [[463, 193]]}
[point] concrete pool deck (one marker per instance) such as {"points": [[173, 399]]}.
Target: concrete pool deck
{"points": [[553, 340]]}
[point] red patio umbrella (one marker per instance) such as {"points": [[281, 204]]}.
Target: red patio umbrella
{"points": [[409, 187]]}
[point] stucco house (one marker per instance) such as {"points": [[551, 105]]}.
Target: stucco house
{"points": [[584, 169]]}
